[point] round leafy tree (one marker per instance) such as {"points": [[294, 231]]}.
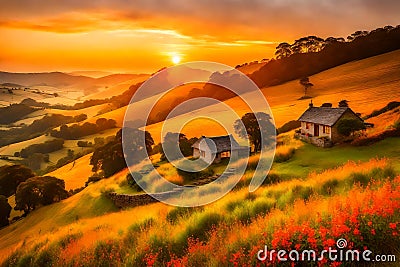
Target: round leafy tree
{"points": [[39, 191], [11, 176], [347, 127]]}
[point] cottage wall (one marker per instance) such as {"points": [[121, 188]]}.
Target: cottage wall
{"points": [[322, 134], [208, 154], [304, 129], [196, 152]]}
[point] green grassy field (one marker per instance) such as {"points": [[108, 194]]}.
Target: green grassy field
{"points": [[90, 203], [309, 158]]}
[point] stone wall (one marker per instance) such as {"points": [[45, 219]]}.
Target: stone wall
{"points": [[321, 142], [125, 201]]}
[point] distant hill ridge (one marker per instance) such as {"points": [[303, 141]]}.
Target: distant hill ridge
{"points": [[63, 80]]}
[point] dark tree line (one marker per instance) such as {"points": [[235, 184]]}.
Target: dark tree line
{"points": [[44, 148], [77, 131], [37, 128], [117, 101], [14, 112], [310, 55]]}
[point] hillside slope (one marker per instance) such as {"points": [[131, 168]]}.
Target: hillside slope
{"points": [[367, 84]]}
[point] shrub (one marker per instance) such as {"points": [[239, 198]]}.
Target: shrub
{"points": [[84, 144], [262, 206], [68, 239], [329, 186], [26, 260], [131, 179], [141, 226], [242, 213], [272, 178], [45, 258], [233, 204], [285, 199], [389, 172], [304, 192], [94, 178], [282, 155], [107, 253], [359, 178], [348, 126], [204, 223]]}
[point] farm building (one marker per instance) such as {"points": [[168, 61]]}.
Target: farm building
{"points": [[319, 125], [214, 149]]}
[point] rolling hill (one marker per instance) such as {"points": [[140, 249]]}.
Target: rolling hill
{"points": [[367, 84], [60, 83]]}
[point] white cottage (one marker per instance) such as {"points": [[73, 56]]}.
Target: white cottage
{"points": [[213, 149]]}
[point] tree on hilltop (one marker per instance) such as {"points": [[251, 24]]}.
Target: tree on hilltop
{"points": [[305, 82]]}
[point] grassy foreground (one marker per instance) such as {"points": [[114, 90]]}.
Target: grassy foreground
{"points": [[310, 203]]}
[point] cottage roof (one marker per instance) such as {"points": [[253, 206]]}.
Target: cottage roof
{"points": [[324, 115], [222, 143]]}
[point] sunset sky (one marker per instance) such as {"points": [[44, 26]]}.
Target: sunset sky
{"points": [[145, 35]]}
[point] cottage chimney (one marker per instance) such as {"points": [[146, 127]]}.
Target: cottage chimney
{"points": [[311, 104]]}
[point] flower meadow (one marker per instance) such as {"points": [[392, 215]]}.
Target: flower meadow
{"points": [[359, 202], [368, 218]]}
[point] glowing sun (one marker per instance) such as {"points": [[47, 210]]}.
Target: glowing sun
{"points": [[176, 59]]}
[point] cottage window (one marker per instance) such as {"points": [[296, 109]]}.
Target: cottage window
{"points": [[326, 129], [203, 154], [226, 154], [308, 125]]}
